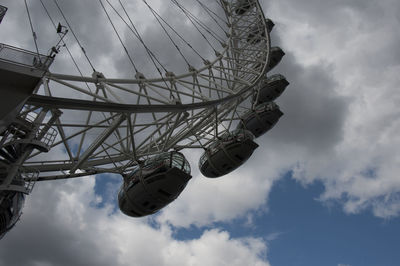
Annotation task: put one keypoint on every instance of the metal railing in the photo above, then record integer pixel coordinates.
(23, 57)
(275, 77)
(31, 178)
(49, 137)
(17, 132)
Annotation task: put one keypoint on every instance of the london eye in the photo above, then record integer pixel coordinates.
(219, 99)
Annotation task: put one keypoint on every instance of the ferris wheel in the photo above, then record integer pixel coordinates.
(59, 126)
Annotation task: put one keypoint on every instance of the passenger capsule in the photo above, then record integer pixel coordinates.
(10, 210)
(261, 119)
(272, 88)
(158, 182)
(270, 24)
(257, 33)
(276, 56)
(228, 153)
(242, 6)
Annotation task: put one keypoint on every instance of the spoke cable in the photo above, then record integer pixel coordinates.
(33, 32)
(119, 37)
(65, 44)
(204, 26)
(208, 10)
(135, 32)
(156, 16)
(179, 35)
(73, 33)
(193, 19)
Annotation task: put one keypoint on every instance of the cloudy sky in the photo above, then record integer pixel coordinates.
(322, 189)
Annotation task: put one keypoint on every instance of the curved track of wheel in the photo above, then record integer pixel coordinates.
(123, 121)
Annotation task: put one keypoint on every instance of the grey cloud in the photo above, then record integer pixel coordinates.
(45, 238)
(354, 60)
(60, 228)
(314, 112)
(84, 18)
(158, 42)
(329, 13)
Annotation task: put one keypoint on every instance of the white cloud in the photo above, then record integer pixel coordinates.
(359, 42)
(60, 226)
(274, 236)
(205, 200)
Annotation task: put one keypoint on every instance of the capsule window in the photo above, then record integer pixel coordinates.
(135, 213)
(123, 201)
(135, 182)
(233, 147)
(152, 207)
(239, 157)
(145, 203)
(165, 193)
(3, 221)
(154, 179)
(268, 122)
(227, 167)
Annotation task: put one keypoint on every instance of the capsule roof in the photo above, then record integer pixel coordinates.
(171, 159)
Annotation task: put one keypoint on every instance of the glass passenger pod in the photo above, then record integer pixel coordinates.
(271, 88)
(260, 120)
(3, 11)
(242, 6)
(276, 56)
(270, 24)
(10, 210)
(227, 153)
(257, 33)
(155, 184)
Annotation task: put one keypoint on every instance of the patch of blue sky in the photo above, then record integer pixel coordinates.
(237, 228)
(370, 173)
(300, 230)
(314, 234)
(106, 189)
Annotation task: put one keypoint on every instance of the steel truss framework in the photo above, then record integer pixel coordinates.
(121, 122)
